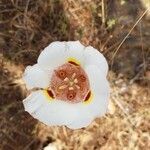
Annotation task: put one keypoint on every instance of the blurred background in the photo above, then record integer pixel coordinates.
(118, 29)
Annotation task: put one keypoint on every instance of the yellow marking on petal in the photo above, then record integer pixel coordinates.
(72, 59)
(89, 99)
(48, 97)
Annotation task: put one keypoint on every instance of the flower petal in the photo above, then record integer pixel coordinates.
(93, 57)
(56, 112)
(34, 76)
(75, 50)
(31, 103)
(53, 55)
(50, 112)
(100, 88)
(83, 122)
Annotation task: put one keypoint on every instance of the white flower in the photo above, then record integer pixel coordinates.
(74, 89)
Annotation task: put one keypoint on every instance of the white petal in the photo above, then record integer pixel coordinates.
(50, 112)
(100, 88)
(80, 123)
(93, 57)
(56, 112)
(75, 50)
(53, 55)
(31, 103)
(96, 108)
(34, 76)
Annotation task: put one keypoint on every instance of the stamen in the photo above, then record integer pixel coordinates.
(73, 76)
(62, 87)
(78, 87)
(71, 88)
(66, 79)
(75, 80)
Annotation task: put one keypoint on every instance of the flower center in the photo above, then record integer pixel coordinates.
(70, 83)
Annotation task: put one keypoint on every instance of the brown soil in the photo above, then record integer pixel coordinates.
(27, 26)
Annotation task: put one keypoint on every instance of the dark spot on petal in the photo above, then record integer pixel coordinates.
(71, 62)
(88, 96)
(50, 93)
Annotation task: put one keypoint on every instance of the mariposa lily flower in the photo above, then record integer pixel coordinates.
(73, 89)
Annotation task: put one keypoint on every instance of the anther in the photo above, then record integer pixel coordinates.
(71, 88)
(78, 87)
(73, 76)
(66, 79)
(62, 87)
(75, 80)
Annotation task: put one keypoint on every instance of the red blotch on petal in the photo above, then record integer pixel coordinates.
(88, 96)
(71, 62)
(50, 93)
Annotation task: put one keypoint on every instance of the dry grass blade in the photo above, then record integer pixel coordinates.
(116, 51)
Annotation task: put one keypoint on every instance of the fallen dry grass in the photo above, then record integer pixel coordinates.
(27, 26)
